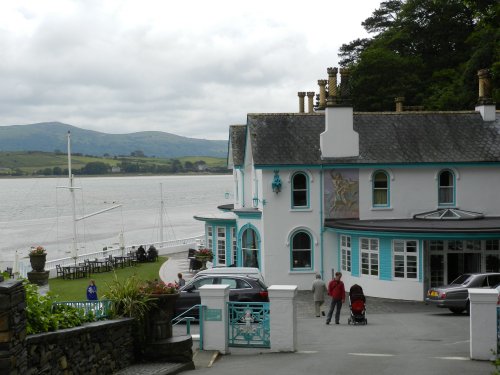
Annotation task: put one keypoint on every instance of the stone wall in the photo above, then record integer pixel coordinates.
(95, 348)
(13, 353)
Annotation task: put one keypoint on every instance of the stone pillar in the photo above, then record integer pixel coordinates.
(345, 87)
(485, 93)
(332, 86)
(483, 323)
(283, 318)
(215, 298)
(399, 103)
(301, 95)
(310, 101)
(13, 349)
(322, 93)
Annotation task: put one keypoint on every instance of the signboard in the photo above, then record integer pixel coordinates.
(213, 315)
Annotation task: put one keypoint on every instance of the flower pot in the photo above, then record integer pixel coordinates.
(158, 321)
(38, 262)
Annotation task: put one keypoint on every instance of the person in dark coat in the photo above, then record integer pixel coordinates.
(141, 254)
(152, 254)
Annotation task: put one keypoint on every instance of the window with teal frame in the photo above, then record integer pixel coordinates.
(380, 189)
(446, 188)
(301, 251)
(250, 248)
(300, 190)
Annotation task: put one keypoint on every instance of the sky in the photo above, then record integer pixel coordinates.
(191, 68)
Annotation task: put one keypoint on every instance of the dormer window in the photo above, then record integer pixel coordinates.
(300, 194)
(380, 189)
(446, 188)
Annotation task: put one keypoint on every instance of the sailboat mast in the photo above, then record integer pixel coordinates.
(73, 205)
(161, 214)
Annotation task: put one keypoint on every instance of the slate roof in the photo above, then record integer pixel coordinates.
(390, 137)
(237, 141)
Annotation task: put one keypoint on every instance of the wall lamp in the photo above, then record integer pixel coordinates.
(276, 184)
(257, 200)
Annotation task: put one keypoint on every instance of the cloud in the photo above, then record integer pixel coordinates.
(190, 68)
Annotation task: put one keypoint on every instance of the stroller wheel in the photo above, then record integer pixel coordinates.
(366, 322)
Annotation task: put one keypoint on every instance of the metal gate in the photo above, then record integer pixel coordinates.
(248, 324)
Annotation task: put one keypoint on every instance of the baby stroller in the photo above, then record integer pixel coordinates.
(357, 302)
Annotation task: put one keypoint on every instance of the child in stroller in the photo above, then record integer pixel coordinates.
(357, 305)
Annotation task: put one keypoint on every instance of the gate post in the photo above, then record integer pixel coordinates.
(483, 323)
(214, 299)
(283, 318)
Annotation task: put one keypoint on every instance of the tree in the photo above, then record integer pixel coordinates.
(138, 154)
(95, 167)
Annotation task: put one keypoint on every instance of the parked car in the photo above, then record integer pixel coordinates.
(455, 296)
(240, 271)
(242, 288)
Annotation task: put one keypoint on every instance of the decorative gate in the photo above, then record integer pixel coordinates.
(248, 324)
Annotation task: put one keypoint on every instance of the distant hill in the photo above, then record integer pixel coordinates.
(50, 136)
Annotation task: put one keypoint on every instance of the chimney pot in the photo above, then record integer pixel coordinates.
(332, 85)
(485, 90)
(301, 95)
(322, 93)
(399, 103)
(310, 100)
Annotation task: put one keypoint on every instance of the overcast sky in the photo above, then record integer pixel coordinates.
(189, 67)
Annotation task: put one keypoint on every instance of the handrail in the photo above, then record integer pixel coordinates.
(188, 320)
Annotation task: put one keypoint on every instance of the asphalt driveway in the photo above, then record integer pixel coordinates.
(400, 338)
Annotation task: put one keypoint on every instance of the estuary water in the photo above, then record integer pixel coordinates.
(37, 211)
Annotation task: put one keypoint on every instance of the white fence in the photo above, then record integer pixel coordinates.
(162, 247)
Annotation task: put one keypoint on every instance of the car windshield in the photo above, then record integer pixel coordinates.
(460, 280)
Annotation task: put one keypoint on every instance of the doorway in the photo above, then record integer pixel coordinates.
(460, 263)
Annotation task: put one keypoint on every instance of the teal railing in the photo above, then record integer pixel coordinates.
(100, 309)
(249, 324)
(188, 319)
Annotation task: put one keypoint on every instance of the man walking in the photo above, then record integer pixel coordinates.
(336, 290)
(319, 290)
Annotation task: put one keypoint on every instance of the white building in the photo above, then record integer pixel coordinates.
(397, 201)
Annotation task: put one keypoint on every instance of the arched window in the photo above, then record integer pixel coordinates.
(380, 189)
(301, 251)
(250, 248)
(446, 194)
(300, 190)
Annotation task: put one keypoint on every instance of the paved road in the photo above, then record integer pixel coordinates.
(400, 338)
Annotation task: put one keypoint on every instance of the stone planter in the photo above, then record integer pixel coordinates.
(158, 320)
(203, 260)
(38, 262)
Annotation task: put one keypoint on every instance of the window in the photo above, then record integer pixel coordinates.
(250, 248)
(301, 251)
(233, 247)
(345, 249)
(446, 194)
(492, 255)
(210, 237)
(221, 245)
(228, 281)
(205, 281)
(405, 255)
(299, 190)
(369, 256)
(380, 189)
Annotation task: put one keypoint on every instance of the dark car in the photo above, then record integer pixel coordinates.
(241, 289)
(455, 296)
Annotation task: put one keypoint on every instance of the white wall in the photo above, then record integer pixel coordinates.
(414, 190)
(396, 289)
(339, 121)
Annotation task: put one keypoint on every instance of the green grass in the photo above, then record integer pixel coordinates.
(75, 290)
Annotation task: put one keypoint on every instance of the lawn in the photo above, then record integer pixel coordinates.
(75, 290)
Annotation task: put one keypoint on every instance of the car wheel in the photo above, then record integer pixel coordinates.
(456, 310)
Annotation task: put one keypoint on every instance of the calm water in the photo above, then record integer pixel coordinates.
(37, 212)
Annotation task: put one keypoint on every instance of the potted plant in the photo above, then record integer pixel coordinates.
(158, 320)
(38, 257)
(204, 255)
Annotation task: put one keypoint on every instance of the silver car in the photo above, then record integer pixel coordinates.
(455, 296)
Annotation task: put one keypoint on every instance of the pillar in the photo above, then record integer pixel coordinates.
(322, 93)
(214, 298)
(483, 323)
(283, 318)
(301, 95)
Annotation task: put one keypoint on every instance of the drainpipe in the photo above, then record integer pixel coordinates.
(321, 270)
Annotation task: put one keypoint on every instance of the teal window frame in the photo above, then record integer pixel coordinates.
(241, 248)
(453, 187)
(311, 251)
(210, 238)
(293, 190)
(387, 189)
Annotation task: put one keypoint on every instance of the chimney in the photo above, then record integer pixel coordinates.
(310, 101)
(485, 104)
(301, 95)
(322, 93)
(339, 138)
(332, 86)
(399, 103)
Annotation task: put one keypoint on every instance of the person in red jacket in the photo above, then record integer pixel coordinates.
(336, 290)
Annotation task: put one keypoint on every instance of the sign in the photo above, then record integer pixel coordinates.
(213, 315)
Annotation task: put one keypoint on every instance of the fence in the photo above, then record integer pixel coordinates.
(25, 267)
(100, 309)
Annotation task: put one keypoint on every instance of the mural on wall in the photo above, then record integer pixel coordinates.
(341, 193)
